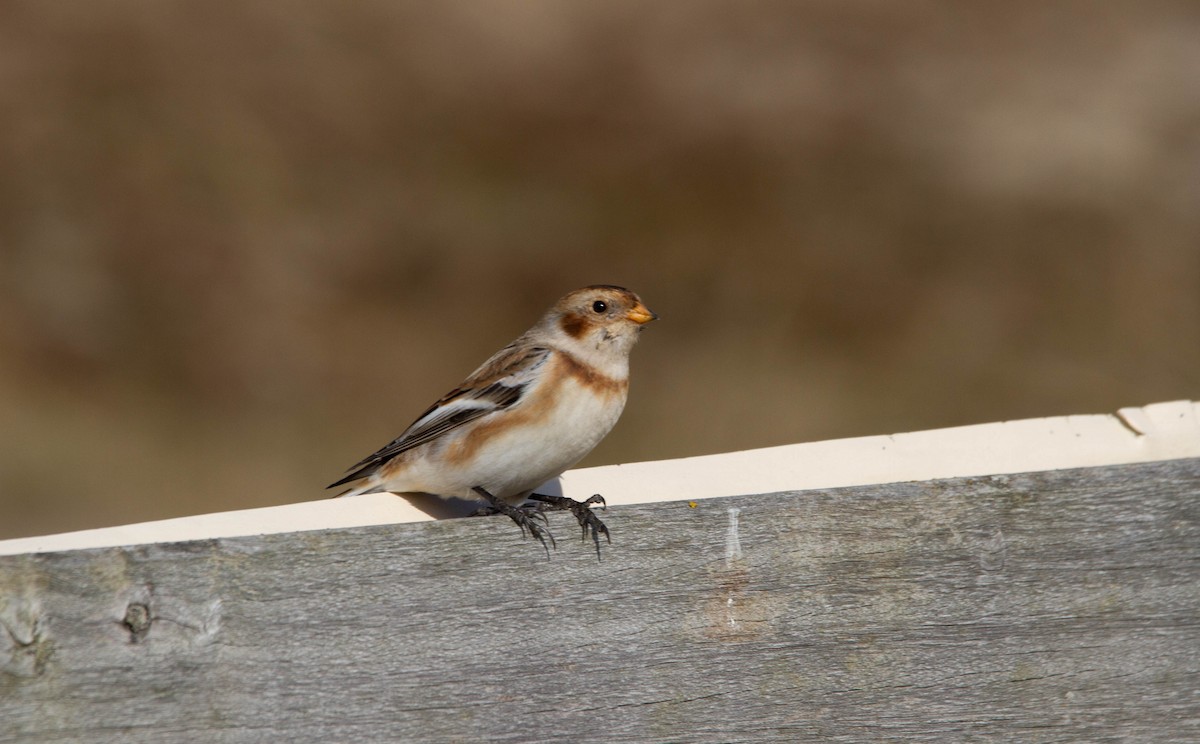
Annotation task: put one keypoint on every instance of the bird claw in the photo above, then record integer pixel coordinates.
(582, 511)
(524, 516)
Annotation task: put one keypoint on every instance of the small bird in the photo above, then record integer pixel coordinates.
(531, 411)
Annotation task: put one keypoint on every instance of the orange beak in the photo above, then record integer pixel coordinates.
(641, 314)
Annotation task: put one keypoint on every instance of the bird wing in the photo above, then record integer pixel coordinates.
(498, 384)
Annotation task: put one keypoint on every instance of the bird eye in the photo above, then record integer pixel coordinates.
(599, 306)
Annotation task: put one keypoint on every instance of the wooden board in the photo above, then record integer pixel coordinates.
(1054, 606)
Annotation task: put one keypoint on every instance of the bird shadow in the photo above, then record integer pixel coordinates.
(438, 507)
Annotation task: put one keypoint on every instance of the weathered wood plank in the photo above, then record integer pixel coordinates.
(1054, 606)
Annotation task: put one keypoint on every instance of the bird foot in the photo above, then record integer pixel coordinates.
(582, 511)
(525, 516)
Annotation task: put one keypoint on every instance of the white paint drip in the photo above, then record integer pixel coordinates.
(733, 552)
(733, 543)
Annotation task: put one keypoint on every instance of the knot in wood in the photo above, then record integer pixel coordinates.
(137, 620)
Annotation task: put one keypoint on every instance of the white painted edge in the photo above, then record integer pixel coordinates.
(1161, 431)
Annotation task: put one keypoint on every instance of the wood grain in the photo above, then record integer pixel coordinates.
(1054, 606)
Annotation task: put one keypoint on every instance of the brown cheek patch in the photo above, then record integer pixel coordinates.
(574, 325)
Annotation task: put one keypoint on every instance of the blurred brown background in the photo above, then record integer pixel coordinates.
(242, 244)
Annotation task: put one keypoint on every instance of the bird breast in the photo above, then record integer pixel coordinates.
(556, 423)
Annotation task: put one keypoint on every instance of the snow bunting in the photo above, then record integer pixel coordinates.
(531, 411)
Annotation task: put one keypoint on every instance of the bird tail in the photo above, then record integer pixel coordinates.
(364, 473)
(359, 490)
